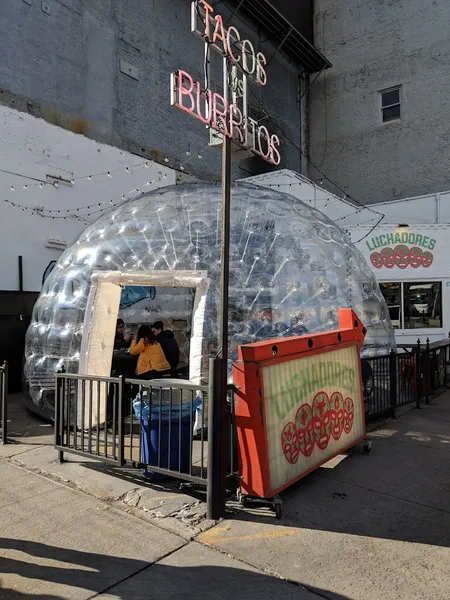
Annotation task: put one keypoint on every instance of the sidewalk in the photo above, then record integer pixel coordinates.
(376, 526)
(60, 544)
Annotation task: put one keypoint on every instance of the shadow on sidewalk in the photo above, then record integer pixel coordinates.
(25, 427)
(397, 492)
(139, 579)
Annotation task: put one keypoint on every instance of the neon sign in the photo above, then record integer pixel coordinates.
(216, 110)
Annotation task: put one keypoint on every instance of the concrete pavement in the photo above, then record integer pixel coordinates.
(368, 527)
(60, 544)
(375, 526)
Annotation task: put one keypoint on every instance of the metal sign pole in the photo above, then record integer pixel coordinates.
(218, 422)
(218, 373)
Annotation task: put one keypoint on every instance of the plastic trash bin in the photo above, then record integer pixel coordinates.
(161, 422)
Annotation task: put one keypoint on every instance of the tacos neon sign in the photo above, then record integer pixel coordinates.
(216, 110)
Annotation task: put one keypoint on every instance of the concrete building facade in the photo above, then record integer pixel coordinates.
(86, 120)
(378, 154)
(102, 69)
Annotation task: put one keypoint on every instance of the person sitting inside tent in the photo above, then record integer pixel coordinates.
(168, 343)
(152, 361)
(122, 340)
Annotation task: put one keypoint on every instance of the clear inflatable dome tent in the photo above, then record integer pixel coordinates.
(291, 270)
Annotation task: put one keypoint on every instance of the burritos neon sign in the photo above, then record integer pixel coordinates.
(216, 110)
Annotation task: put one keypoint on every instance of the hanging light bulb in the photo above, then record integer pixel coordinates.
(166, 159)
(182, 167)
(41, 185)
(147, 165)
(127, 170)
(109, 174)
(56, 184)
(25, 187)
(12, 188)
(199, 156)
(188, 151)
(89, 177)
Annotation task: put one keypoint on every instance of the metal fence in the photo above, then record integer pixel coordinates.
(171, 436)
(410, 376)
(4, 402)
(165, 427)
(88, 416)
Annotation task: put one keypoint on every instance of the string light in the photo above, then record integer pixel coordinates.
(65, 214)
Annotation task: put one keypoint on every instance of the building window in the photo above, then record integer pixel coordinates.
(423, 305)
(414, 305)
(392, 293)
(390, 105)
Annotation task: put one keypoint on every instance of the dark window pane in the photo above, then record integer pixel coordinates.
(393, 296)
(388, 98)
(392, 113)
(423, 305)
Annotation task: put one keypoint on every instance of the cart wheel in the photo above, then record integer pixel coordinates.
(278, 506)
(242, 499)
(367, 446)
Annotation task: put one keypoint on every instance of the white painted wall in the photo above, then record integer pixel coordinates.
(420, 210)
(31, 147)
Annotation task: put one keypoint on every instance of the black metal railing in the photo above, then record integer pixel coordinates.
(411, 376)
(170, 437)
(4, 402)
(168, 428)
(88, 416)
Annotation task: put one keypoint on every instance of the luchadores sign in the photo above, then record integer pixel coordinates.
(401, 250)
(328, 418)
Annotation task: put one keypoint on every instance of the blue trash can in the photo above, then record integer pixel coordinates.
(161, 422)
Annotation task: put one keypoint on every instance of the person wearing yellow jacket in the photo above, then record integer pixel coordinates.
(151, 361)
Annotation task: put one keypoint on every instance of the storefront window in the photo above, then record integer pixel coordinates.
(392, 293)
(423, 305)
(414, 305)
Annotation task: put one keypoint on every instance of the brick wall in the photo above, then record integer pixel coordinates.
(61, 61)
(373, 45)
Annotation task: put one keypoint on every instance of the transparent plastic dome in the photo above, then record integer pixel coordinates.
(291, 269)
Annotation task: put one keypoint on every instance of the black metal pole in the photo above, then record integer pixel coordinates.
(418, 375)
(218, 418)
(225, 256)
(20, 274)
(215, 497)
(428, 372)
(393, 382)
(119, 398)
(4, 395)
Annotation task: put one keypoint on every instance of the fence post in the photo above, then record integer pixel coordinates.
(120, 424)
(4, 398)
(418, 375)
(393, 382)
(217, 421)
(59, 417)
(428, 378)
